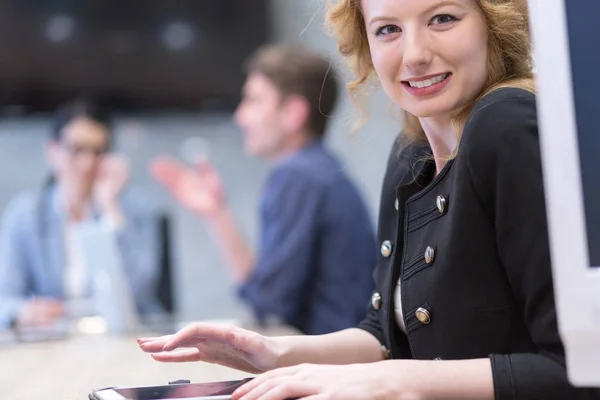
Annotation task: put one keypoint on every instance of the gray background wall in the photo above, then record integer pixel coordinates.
(203, 288)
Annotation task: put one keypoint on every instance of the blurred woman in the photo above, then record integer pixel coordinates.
(42, 265)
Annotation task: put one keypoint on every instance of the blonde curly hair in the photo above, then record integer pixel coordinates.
(509, 63)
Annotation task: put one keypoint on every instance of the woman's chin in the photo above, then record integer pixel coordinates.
(427, 112)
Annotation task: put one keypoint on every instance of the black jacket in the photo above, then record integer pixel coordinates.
(470, 246)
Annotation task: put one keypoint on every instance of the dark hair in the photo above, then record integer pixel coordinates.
(296, 70)
(80, 108)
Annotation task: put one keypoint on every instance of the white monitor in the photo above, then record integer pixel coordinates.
(567, 54)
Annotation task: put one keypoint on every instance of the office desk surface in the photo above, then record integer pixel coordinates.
(70, 369)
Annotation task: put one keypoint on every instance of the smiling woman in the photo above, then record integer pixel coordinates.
(503, 25)
(464, 303)
(430, 60)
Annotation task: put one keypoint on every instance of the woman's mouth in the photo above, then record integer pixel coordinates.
(428, 86)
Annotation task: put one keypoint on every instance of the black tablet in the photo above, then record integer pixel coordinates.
(188, 391)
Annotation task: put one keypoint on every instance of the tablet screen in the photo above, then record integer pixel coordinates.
(182, 391)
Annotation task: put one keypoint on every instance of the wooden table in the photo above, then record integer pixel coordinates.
(70, 369)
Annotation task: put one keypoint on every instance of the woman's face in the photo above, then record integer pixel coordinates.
(76, 158)
(430, 55)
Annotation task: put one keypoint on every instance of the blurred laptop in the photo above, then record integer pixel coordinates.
(113, 299)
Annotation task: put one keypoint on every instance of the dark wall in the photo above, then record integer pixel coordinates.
(51, 50)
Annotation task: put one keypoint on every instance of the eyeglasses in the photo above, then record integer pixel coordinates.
(77, 150)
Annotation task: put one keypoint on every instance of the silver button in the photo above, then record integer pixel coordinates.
(376, 301)
(397, 204)
(423, 315)
(386, 248)
(438, 359)
(440, 202)
(429, 255)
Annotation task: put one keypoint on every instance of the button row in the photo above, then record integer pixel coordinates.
(423, 314)
(440, 203)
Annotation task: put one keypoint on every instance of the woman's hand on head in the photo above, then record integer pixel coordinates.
(110, 181)
(228, 346)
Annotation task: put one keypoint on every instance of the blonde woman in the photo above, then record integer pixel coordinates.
(464, 303)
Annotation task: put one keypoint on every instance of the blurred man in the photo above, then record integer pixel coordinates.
(313, 268)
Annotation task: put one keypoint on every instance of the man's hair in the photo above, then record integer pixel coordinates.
(296, 70)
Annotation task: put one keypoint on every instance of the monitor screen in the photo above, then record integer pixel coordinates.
(585, 64)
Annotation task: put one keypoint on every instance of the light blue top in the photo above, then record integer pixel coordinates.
(32, 251)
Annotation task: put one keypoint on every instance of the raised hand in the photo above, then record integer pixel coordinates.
(199, 189)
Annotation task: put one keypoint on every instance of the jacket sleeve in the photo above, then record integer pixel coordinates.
(503, 153)
(13, 263)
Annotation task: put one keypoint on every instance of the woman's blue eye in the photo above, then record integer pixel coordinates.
(387, 30)
(443, 19)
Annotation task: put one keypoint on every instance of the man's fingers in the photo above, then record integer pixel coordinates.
(166, 170)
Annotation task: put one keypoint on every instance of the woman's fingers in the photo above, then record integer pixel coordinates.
(186, 355)
(153, 344)
(159, 346)
(266, 377)
(280, 389)
(270, 376)
(199, 331)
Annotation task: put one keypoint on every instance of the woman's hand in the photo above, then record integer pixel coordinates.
(228, 346)
(40, 311)
(389, 379)
(112, 178)
(370, 381)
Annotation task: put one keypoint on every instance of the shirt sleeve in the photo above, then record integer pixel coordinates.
(503, 156)
(285, 266)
